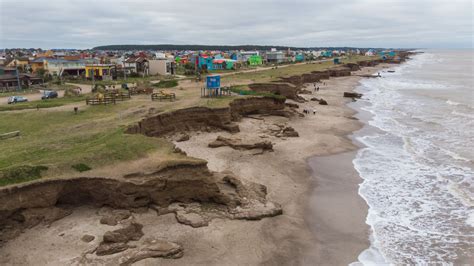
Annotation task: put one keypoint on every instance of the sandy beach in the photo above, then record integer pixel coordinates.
(323, 216)
(312, 176)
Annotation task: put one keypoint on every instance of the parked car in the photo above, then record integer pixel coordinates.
(49, 95)
(16, 99)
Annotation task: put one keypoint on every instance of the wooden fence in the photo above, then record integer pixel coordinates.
(162, 96)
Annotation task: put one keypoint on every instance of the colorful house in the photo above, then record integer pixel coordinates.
(99, 71)
(387, 54)
(205, 62)
(37, 64)
(326, 54)
(255, 60)
(223, 63)
(299, 58)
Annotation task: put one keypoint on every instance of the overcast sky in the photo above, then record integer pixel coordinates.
(303, 23)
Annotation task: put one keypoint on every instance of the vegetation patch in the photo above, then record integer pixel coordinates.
(81, 167)
(241, 91)
(20, 174)
(166, 84)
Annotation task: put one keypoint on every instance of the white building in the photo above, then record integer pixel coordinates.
(162, 66)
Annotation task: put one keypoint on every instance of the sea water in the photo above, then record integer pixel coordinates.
(417, 165)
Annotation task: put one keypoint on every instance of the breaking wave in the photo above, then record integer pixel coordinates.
(417, 169)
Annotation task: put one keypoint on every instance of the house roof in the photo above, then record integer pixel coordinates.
(13, 77)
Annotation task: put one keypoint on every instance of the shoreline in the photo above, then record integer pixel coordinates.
(336, 213)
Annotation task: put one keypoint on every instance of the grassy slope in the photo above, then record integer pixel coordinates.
(61, 139)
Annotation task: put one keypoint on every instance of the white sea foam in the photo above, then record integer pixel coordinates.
(418, 173)
(470, 219)
(452, 102)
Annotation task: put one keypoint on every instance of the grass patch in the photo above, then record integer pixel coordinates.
(48, 103)
(81, 167)
(166, 84)
(59, 139)
(279, 71)
(20, 174)
(241, 91)
(117, 82)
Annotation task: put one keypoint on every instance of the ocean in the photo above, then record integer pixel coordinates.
(417, 160)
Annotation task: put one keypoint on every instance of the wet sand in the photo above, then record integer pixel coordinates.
(336, 214)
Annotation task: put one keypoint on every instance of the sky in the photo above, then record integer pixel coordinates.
(302, 23)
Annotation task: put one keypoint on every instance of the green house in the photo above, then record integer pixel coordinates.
(299, 58)
(255, 60)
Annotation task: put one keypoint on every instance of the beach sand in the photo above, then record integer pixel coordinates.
(323, 221)
(324, 218)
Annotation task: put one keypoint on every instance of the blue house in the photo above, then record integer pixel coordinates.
(205, 62)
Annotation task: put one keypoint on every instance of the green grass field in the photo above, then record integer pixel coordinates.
(60, 139)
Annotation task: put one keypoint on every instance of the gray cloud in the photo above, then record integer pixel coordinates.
(362, 23)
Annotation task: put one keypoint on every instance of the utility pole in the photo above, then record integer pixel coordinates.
(18, 78)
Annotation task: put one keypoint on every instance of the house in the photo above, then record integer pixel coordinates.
(223, 63)
(37, 64)
(9, 82)
(274, 56)
(326, 53)
(3, 59)
(162, 66)
(99, 71)
(299, 57)
(139, 65)
(61, 66)
(255, 60)
(21, 62)
(245, 56)
(205, 62)
(370, 52)
(7, 70)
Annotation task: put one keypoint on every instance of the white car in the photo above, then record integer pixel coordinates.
(16, 99)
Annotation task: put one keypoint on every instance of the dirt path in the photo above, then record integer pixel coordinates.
(37, 96)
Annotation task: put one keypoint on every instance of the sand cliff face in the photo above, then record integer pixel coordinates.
(203, 118)
(185, 182)
(189, 119)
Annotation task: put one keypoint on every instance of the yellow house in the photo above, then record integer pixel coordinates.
(48, 54)
(99, 71)
(37, 64)
(18, 62)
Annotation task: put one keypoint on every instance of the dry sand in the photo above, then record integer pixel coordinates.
(323, 221)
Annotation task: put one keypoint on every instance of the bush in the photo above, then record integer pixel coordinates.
(238, 90)
(21, 174)
(80, 167)
(166, 84)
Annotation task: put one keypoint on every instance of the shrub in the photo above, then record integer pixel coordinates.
(166, 84)
(240, 91)
(80, 167)
(21, 174)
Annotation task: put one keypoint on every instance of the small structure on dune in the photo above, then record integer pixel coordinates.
(213, 87)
